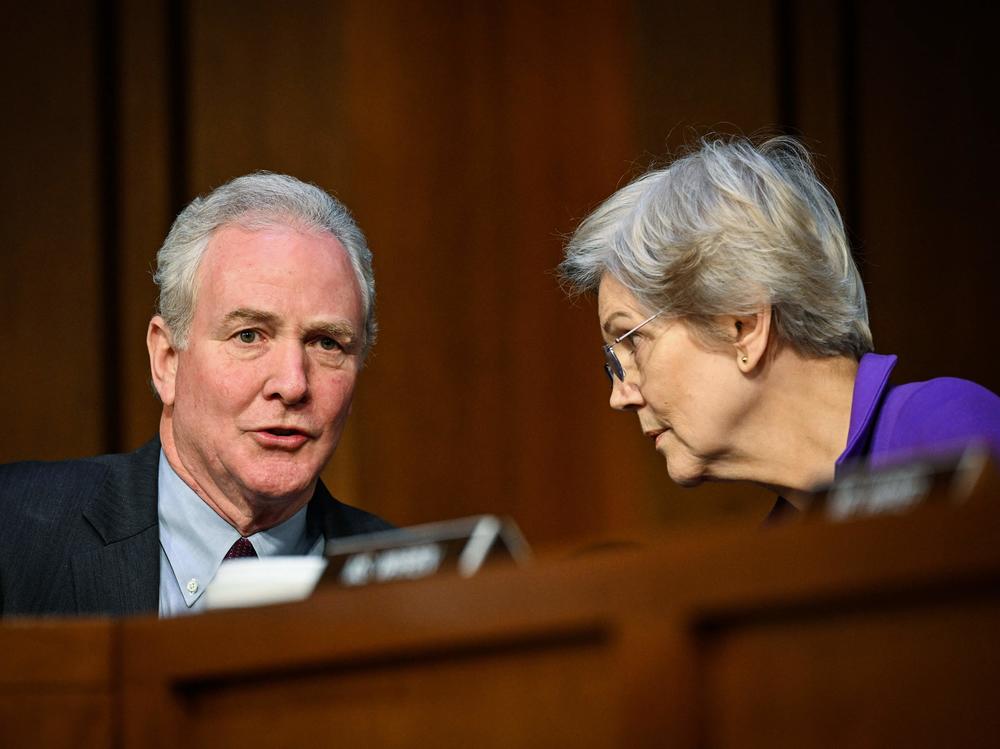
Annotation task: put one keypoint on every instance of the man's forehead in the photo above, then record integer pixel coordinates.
(235, 250)
(271, 238)
(271, 268)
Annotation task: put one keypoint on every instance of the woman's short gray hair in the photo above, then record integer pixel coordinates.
(723, 230)
(254, 201)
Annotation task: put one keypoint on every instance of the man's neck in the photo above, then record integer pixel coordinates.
(247, 513)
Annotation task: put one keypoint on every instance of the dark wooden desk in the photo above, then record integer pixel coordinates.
(57, 683)
(875, 633)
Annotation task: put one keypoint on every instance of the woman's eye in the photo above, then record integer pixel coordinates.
(247, 336)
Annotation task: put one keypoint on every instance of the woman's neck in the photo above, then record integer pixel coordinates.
(791, 439)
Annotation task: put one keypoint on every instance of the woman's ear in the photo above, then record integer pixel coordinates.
(751, 335)
(162, 359)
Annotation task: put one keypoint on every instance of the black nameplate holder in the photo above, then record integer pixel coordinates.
(461, 546)
(899, 488)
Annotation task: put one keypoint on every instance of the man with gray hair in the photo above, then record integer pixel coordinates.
(265, 315)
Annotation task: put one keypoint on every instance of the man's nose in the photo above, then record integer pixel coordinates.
(288, 379)
(625, 395)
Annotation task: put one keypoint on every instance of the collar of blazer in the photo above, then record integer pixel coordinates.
(120, 574)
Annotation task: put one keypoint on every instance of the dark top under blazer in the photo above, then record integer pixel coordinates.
(82, 536)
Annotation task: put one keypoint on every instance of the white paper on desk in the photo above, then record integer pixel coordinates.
(258, 582)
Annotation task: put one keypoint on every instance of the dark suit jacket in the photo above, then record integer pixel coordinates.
(82, 536)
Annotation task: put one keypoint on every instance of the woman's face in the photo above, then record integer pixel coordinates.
(689, 397)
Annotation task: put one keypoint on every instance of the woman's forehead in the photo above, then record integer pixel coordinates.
(616, 302)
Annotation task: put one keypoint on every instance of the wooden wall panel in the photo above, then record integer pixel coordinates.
(265, 92)
(705, 67)
(469, 138)
(478, 396)
(414, 159)
(571, 130)
(818, 66)
(50, 248)
(145, 180)
(927, 159)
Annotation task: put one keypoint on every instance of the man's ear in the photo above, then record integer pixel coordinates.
(751, 335)
(162, 359)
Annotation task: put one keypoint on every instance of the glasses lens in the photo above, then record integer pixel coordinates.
(612, 366)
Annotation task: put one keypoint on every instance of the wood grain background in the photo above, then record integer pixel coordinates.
(469, 138)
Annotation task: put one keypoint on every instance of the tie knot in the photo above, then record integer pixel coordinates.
(242, 548)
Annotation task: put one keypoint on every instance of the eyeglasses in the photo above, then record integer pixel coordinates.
(612, 366)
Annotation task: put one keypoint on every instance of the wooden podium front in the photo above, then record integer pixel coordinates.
(874, 633)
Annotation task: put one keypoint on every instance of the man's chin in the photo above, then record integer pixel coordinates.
(280, 487)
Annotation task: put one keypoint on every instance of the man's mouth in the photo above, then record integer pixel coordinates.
(285, 438)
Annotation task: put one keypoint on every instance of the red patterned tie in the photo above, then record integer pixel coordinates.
(242, 548)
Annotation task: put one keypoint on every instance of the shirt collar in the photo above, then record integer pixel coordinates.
(869, 387)
(195, 538)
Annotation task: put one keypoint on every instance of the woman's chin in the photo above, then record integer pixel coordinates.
(689, 482)
(687, 476)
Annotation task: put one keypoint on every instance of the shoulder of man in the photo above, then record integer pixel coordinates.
(41, 505)
(47, 510)
(44, 492)
(67, 484)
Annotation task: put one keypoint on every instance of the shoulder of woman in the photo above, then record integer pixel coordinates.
(941, 410)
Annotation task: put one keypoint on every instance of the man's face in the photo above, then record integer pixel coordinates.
(261, 393)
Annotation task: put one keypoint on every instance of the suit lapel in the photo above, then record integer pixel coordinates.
(122, 575)
(321, 514)
(334, 519)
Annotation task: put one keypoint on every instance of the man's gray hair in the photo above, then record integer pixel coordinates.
(723, 230)
(254, 201)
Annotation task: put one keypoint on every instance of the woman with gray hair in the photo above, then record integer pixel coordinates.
(736, 326)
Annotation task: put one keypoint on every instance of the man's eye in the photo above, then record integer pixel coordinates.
(329, 344)
(247, 336)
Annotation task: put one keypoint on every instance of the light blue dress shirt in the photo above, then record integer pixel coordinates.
(194, 540)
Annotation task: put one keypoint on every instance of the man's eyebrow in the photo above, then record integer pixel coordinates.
(341, 330)
(336, 329)
(249, 315)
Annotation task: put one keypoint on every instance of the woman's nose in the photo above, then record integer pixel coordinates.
(625, 395)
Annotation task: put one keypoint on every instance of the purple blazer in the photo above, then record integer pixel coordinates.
(890, 424)
(919, 419)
